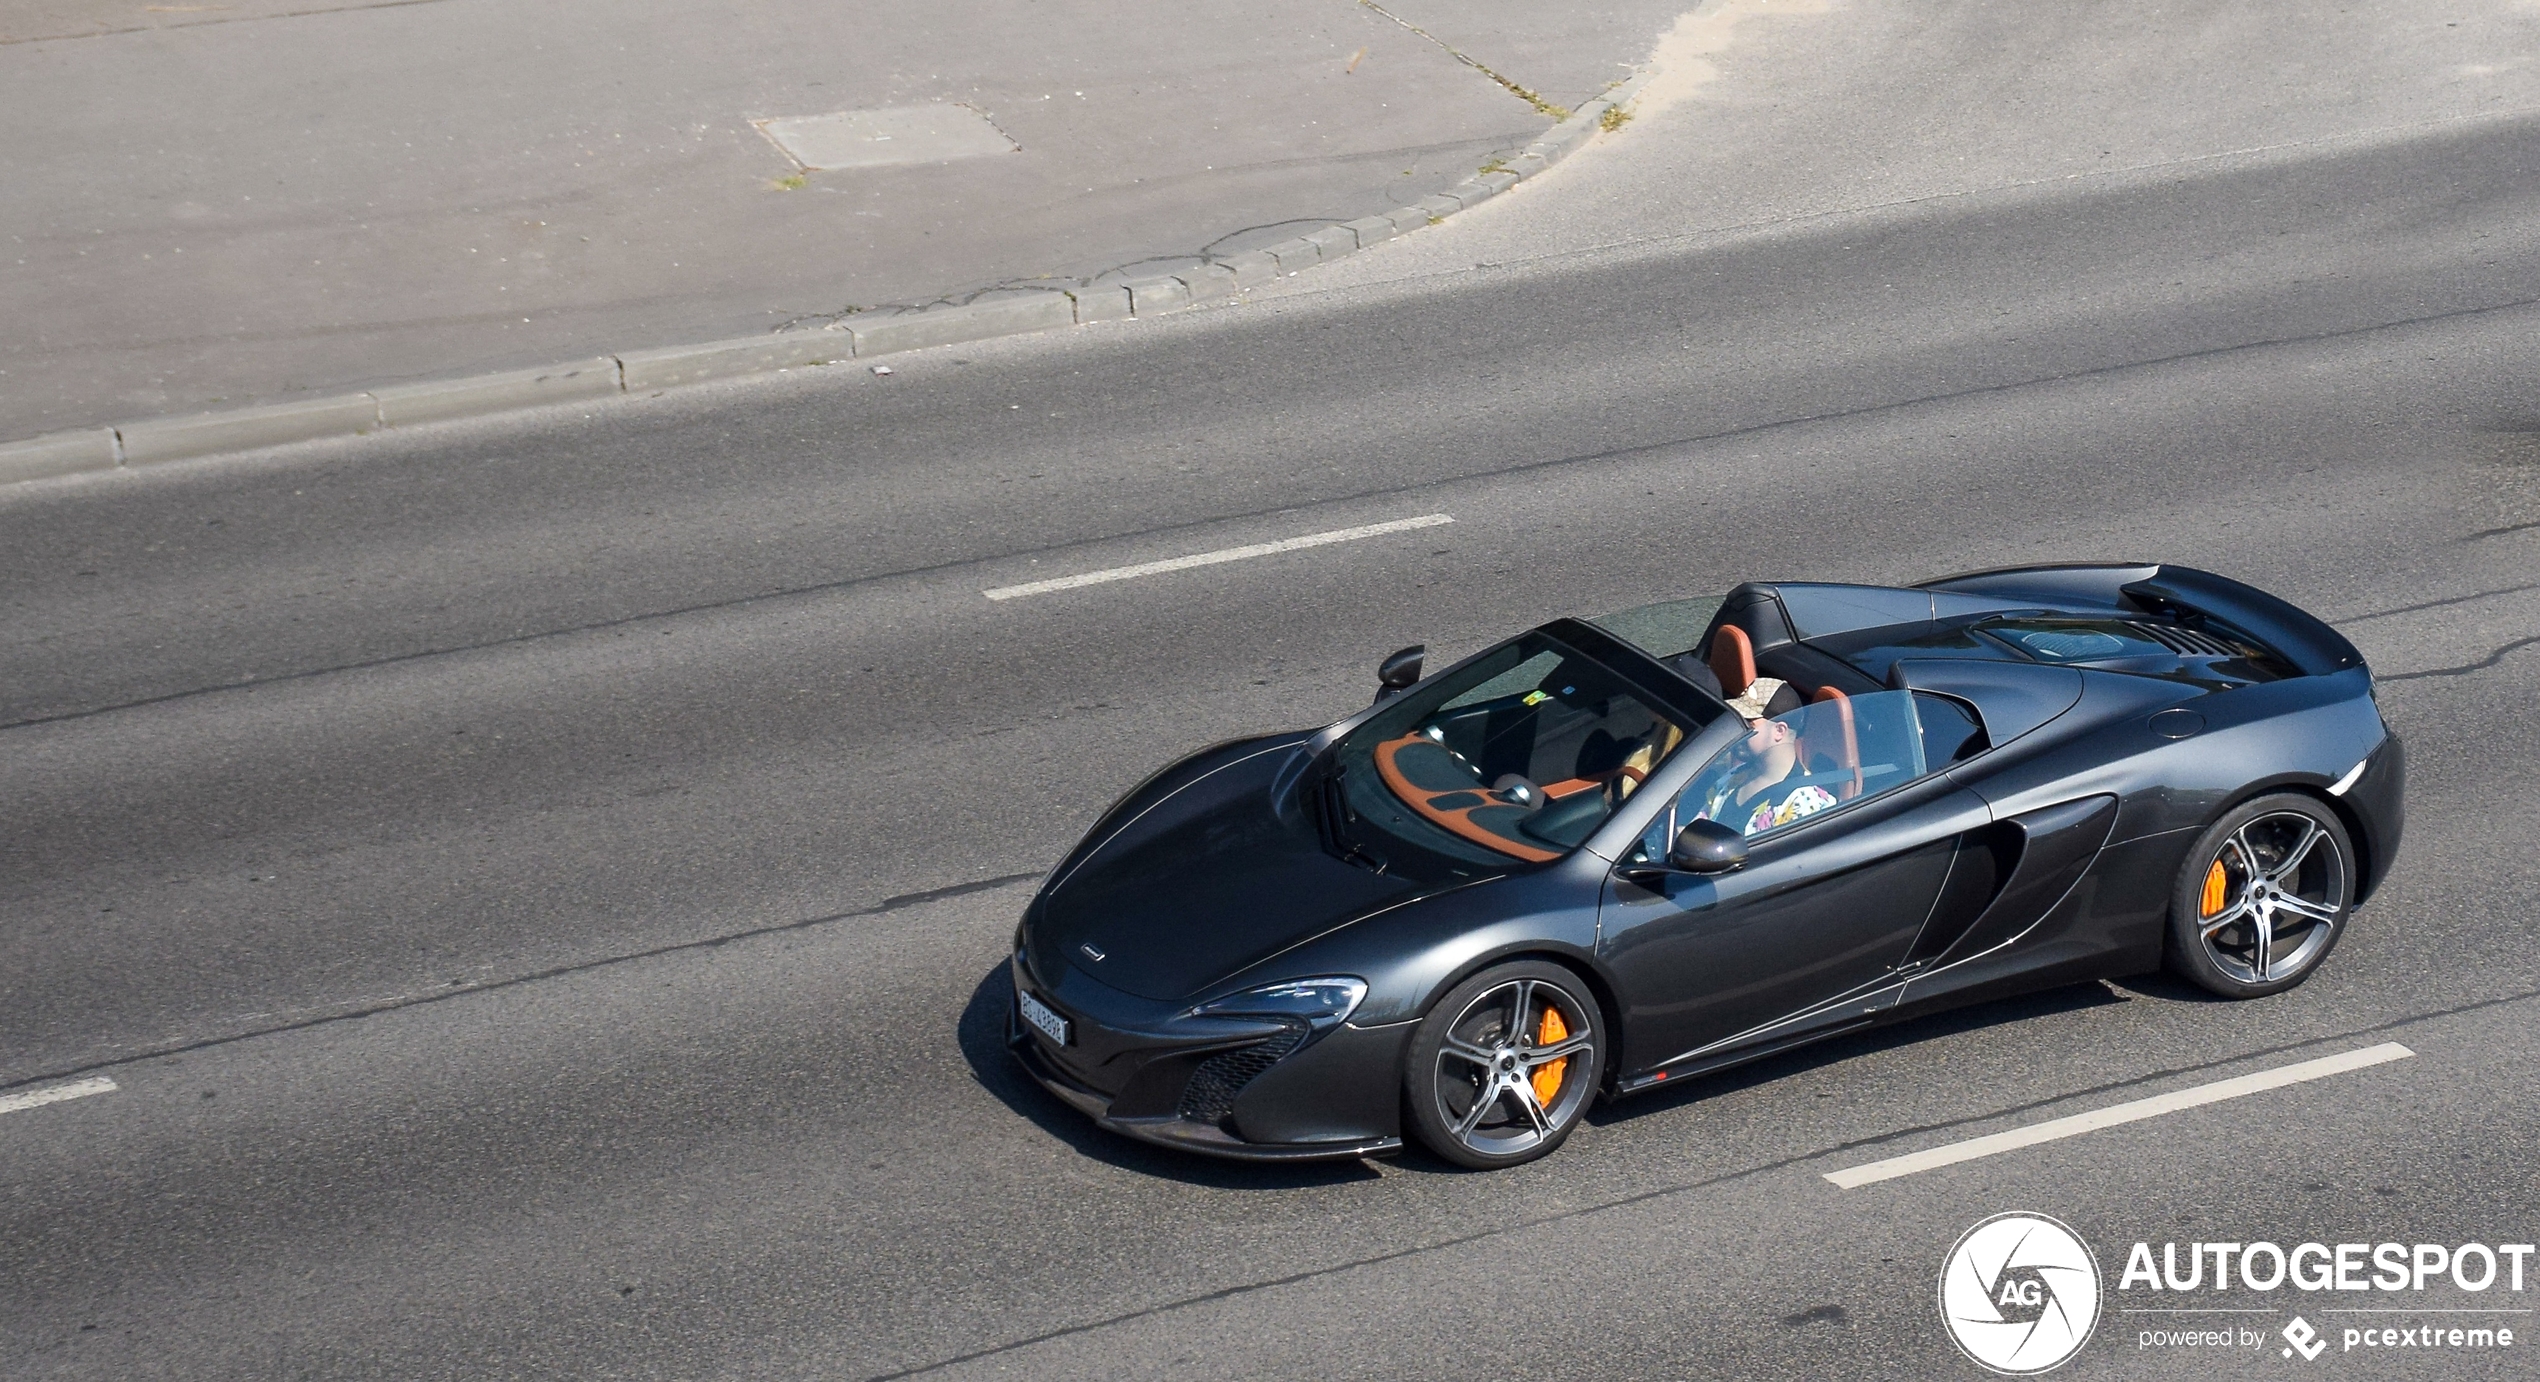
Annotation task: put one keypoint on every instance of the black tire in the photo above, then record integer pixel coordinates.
(2263, 897)
(1469, 1090)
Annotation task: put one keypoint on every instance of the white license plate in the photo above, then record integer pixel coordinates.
(1038, 1014)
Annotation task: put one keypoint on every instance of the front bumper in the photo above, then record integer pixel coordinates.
(1333, 1097)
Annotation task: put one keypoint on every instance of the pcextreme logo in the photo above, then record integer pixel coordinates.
(2019, 1294)
(2374, 1298)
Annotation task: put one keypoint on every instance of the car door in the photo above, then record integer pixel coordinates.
(1812, 930)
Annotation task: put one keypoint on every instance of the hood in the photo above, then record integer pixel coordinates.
(1199, 881)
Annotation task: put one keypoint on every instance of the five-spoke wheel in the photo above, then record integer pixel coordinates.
(1504, 1065)
(2263, 896)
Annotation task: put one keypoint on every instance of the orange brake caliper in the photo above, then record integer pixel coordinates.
(2211, 904)
(1547, 1076)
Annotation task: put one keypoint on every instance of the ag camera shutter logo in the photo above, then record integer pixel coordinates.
(2019, 1294)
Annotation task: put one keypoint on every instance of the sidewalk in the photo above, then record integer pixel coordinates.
(1769, 113)
(219, 205)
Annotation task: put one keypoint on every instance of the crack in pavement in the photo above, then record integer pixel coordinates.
(227, 19)
(1518, 469)
(1642, 1197)
(2435, 604)
(1541, 105)
(462, 990)
(2466, 668)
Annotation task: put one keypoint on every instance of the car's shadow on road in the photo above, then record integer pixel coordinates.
(2168, 987)
(982, 1036)
(983, 1027)
(1835, 1050)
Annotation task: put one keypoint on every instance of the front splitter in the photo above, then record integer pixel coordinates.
(1181, 1134)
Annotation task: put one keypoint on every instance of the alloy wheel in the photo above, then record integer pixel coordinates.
(2271, 898)
(1513, 1069)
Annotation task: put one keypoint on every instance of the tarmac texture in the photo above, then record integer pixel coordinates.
(540, 885)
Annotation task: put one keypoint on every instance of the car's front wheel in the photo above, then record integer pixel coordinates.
(2263, 897)
(1505, 1065)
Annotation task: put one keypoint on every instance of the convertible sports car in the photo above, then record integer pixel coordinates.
(1610, 854)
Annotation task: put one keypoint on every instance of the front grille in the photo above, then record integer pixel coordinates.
(1210, 1096)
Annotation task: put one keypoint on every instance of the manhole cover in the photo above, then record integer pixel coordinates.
(894, 134)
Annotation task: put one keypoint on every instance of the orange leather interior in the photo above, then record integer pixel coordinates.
(1732, 660)
(1452, 809)
(1846, 748)
(1572, 786)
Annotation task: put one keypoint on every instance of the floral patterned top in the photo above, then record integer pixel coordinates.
(1807, 801)
(1771, 809)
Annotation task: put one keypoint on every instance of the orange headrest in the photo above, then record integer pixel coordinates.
(1846, 748)
(1732, 660)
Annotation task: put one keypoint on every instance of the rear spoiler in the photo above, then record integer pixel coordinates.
(2184, 593)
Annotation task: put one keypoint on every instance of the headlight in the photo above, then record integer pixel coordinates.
(1316, 1002)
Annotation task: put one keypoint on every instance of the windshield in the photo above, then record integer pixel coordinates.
(1517, 756)
(1670, 628)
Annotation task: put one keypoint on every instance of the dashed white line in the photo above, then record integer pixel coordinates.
(1258, 549)
(54, 1094)
(2115, 1114)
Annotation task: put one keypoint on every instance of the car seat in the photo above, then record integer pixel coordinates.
(1732, 660)
(1833, 733)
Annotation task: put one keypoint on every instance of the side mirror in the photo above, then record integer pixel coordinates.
(1396, 674)
(1708, 847)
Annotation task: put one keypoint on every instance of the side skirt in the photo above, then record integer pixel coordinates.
(1686, 1069)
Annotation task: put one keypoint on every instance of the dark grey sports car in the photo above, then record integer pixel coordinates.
(1615, 853)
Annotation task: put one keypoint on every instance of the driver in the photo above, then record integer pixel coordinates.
(1758, 794)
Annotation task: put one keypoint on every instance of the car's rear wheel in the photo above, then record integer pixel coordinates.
(1505, 1065)
(2263, 897)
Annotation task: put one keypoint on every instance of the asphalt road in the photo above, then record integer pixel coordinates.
(540, 887)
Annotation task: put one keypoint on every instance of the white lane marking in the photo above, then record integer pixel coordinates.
(54, 1094)
(2113, 1115)
(1258, 549)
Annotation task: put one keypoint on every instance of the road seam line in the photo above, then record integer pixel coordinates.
(2055, 1129)
(37, 1098)
(100, 447)
(1216, 558)
(1639, 1197)
(1519, 469)
(106, 447)
(464, 988)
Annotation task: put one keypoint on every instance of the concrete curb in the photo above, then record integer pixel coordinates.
(152, 440)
